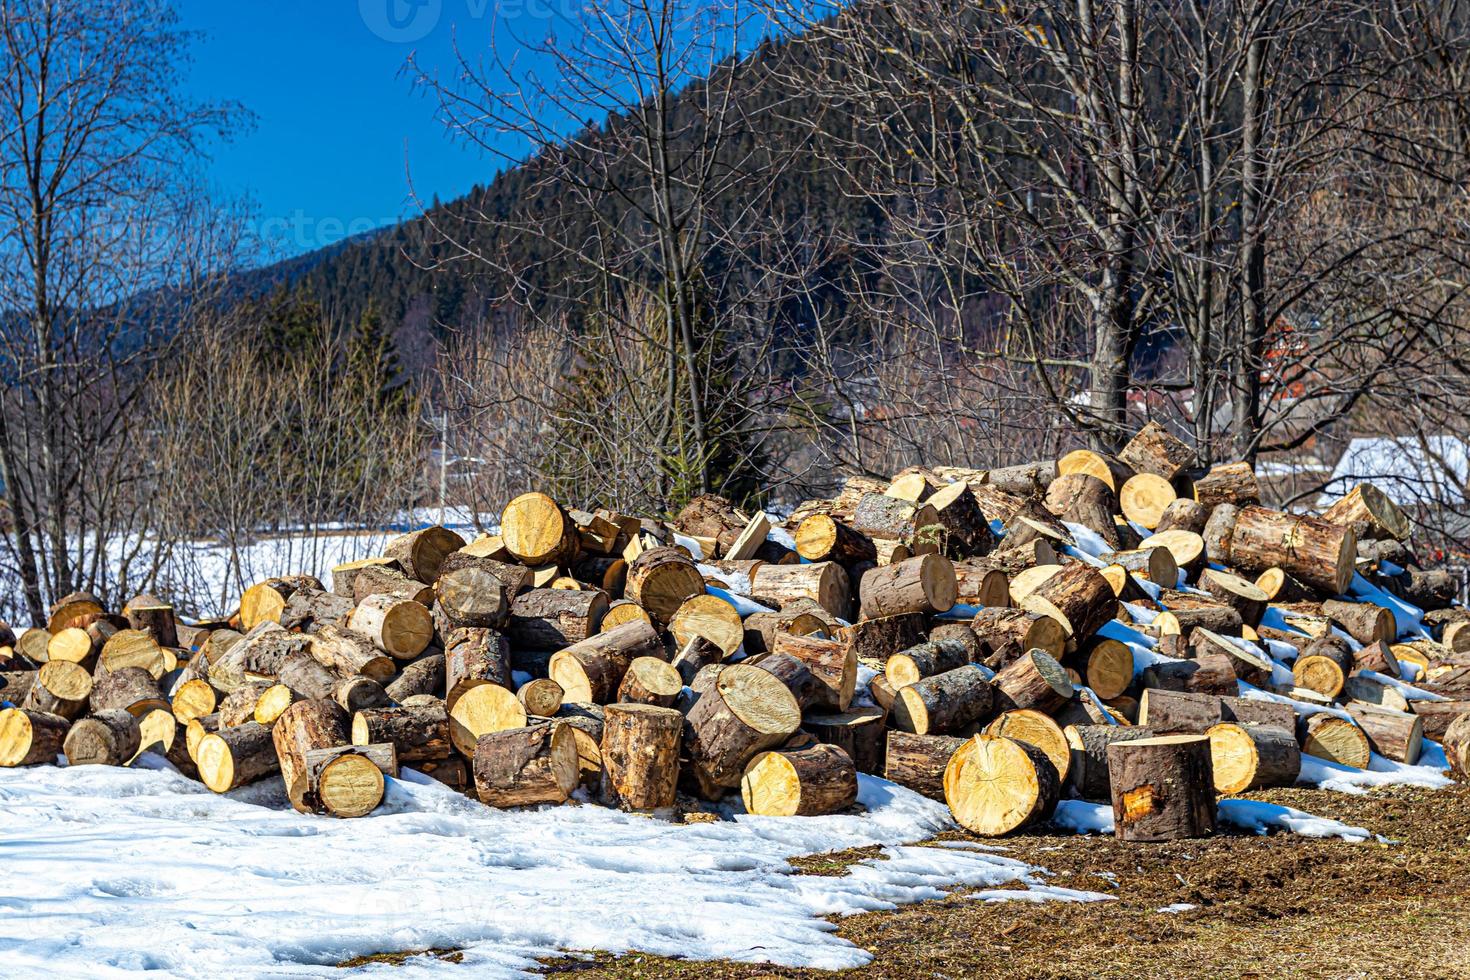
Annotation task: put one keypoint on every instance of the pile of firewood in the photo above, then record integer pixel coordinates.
(1098, 627)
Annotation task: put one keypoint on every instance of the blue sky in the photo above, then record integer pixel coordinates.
(338, 130)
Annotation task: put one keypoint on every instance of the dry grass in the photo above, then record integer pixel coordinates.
(1265, 906)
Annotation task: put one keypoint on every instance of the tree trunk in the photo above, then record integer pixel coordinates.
(1163, 788)
(526, 766)
(640, 755)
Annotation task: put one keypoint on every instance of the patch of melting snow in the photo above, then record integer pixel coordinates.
(1082, 817)
(123, 870)
(1177, 907)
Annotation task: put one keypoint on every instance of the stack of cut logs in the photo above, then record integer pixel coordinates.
(1134, 629)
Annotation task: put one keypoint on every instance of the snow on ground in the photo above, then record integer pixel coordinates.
(1082, 817)
(112, 871)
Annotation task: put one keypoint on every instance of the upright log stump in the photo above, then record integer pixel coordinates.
(1163, 788)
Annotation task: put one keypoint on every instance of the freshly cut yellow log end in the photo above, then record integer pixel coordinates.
(1340, 741)
(350, 786)
(481, 710)
(993, 786)
(273, 703)
(215, 763)
(71, 644)
(1035, 728)
(194, 699)
(1109, 668)
(1233, 757)
(711, 617)
(1028, 580)
(1144, 498)
(534, 528)
(1186, 546)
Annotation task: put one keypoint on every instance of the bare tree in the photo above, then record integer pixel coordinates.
(96, 218)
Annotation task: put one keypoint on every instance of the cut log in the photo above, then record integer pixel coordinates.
(822, 537)
(71, 609)
(526, 766)
(1394, 735)
(30, 738)
(1314, 551)
(1437, 716)
(1025, 479)
(800, 681)
(345, 652)
(480, 711)
(1186, 548)
(1022, 630)
(549, 619)
(1242, 595)
(1210, 674)
(540, 697)
(809, 782)
(425, 675)
(1154, 564)
(1219, 532)
(1364, 690)
(388, 580)
(925, 584)
(535, 529)
(344, 574)
(238, 706)
(824, 582)
(650, 681)
(234, 757)
(310, 609)
(1456, 744)
(154, 617)
(601, 572)
(663, 579)
(62, 688)
(105, 738)
(421, 553)
(833, 663)
(15, 685)
(306, 677)
(1370, 513)
(878, 515)
(418, 733)
(1077, 597)
(967, 531)
(1183, 621)
(1428, 589)
(996, 785)
(622, 612)
(978, 583)
(1034, 680)
(1087, 747)
(306, 725)
(1163, 788)
(741, 712)
(356, 693)
(1145, 498)
(1336, 740)
(264, 601)
(585, 721)
(1323, 666)
(917, 762)
(134, 648)
(1363, 621)
(1154, 450)
(694, 656)
(1247, 757)
(761, 628)
(1184, 514)
(1082, 499)
(1035, 728)
(925, 660)
(640, 755)
(711, 617)
(473, 597)
(592, 670)
(859, 733)
(1227, 483)
(1105, 468)
(474, 656)
(1107, 667)
(347, 780)
(400, 628)
(945, 703)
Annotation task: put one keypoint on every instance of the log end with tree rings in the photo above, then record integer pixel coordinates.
(1109, 668)
(995, 785)
(481, 710)
(1187, 548)
(1247, 757)
(350, 785)
(1336, 740)
(650, 681)
(816, 780)
(1089, 463)
(535, 529)
(621, 613)
(1144, 497)
(1035, 728)
(29, 738)
(711, 617)
(661, 580)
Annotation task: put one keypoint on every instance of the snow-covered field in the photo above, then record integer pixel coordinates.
(111, 871)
